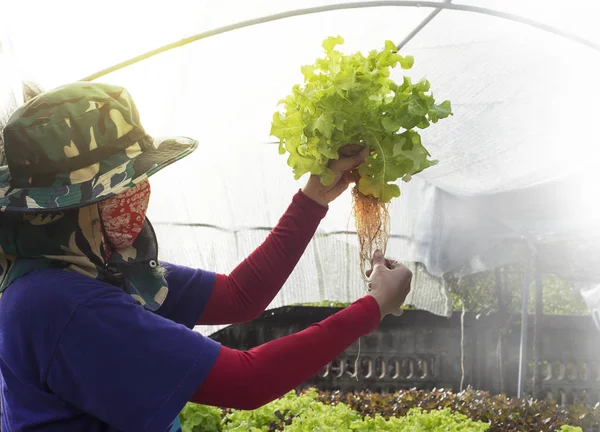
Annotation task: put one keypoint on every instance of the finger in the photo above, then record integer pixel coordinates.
(351, 176)
(338, 188)
(350, 149)
(347, 163)
(399, 312)
(378, 258)
(391, 264)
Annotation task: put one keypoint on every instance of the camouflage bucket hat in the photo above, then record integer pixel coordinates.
(79, 144)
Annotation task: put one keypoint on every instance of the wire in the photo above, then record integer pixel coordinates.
(333, 7)
(262, 228)
(420, 27)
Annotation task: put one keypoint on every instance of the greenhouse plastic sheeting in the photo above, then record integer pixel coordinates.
(518, 160)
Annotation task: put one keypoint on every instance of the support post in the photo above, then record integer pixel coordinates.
(537, 329)
(499, 285)
(524, 324)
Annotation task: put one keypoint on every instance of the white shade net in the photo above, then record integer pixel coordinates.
(518, 160)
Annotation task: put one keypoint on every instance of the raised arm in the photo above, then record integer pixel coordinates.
(247, 291)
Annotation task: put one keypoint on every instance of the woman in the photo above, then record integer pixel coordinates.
(95, 334)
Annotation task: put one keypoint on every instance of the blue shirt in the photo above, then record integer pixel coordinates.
(77, 354)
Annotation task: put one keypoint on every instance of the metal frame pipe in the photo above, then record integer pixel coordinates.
(345, 6)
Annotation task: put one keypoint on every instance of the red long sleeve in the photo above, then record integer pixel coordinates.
(248, 290)
(249, 379)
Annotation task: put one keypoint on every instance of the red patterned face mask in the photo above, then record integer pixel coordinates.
(123, 216)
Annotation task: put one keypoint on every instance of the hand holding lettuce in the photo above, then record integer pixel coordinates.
(351, 99)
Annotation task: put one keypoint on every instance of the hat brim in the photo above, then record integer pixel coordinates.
(138, 168)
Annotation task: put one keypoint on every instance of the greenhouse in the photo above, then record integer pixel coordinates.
(499, 224)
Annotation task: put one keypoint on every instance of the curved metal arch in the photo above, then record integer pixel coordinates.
(333, 7)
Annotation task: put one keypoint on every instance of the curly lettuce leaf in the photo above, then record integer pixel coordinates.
(352, 99)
